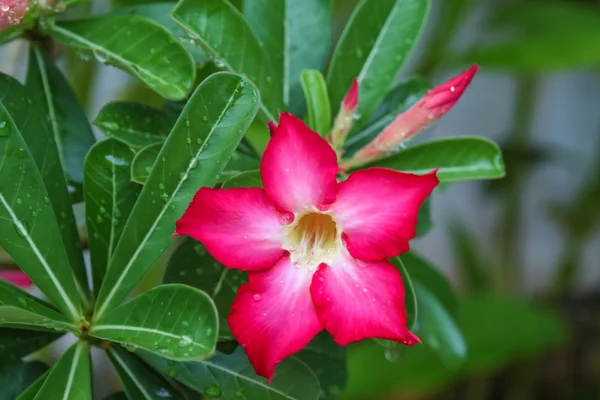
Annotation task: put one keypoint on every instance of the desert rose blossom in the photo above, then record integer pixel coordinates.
(16, 277)
(316, 249)
(344, 121)
(12, 12)
(426, 111)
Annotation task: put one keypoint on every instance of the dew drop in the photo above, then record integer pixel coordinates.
(185, 341)
(172, 373)
(161, 186)
(205, 118)
(188, 140)
(212, 391)
(19, 201)
(256, 297)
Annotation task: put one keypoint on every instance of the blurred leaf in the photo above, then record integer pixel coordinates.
(34, 388)
(230, 376)
(459, 158)
(438, 329)
(423, 272)
(68, 122)
(69, 378)
(18, 309)
(399, 99)
(195, 153)
(424, 221)
(140, 382)
(328, 360)
(144, 161)
(137, 45)
(237, 51)
(375, 44)
(11, 33)
(30, 233)
(109, 199)
(117, 396)
(58, 135)
(246, 179)
(317, 101)
(191, 264)
(175, 321)
(18, 376)
(135, 124)
(295, 35)
(469, 261)
(17, 343)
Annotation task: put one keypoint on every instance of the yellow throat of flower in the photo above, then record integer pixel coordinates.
(313, 238)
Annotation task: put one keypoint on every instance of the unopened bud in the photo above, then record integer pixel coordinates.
(12, 12)
(345, 118)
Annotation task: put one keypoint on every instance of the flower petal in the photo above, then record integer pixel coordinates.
(377, 210)
(273, 317)
(16, 277)
(298, 168)
(239, 227)
(356, 300)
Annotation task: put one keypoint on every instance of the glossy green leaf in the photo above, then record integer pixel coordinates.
(374, 46)
(317, 101)
(18, 376)
(68, 122)
(458, 159)
(295, 35)
(232, 377)
(109, 198)
(30, 233)
(195, 153)
(438, 329)
(175, 321)
(69, 378)
(424, 221)
(192, 265)
(144, 161)
(237, 51)
(18, 309)
(246, 179)
(135, 124)
(328, 360)
(34, 388)
(139, 381)
(402, 96)
(137, 45)
(423, 272)
(17, 343)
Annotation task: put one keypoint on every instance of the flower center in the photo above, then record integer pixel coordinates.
(312, 239)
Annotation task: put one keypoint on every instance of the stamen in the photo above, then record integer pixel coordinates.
(312, 239)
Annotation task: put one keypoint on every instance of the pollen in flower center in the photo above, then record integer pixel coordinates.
(312, 239)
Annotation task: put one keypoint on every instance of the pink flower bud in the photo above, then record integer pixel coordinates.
(12, 12)
(16, 277)
(345, 118)
(429, 109)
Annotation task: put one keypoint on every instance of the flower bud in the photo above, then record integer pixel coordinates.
(345, 118)
(12, 12)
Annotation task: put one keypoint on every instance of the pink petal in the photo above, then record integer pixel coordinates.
(273, 317)
(351, 99)
(239, 227)
(356, 300)
(298, 168)
(377, 210)
(16, 277)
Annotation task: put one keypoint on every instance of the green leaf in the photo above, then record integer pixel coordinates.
(135, 124)
(30, 233)
(117, 396)
(232, 376)
(69, 378)
(237, 51)
(175, 321)
(402, 96)
(295, 35)
(468, 259)
(139, 381)
(424, 273)
(438, 329)
(195, 153)
(144, 161)
(319, 110)
(328, 360)
(109, 198)
(11, 33)
(374, 46)
(18, 309)
(137, 45)
(65, 140)
(458, 159)
(17, 343)
(192, 265)
(424, 222)
(246, 179)
(34, 388)
(17, 377)
(68, 122)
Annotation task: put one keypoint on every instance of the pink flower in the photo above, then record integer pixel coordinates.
(12, 12)
(429, 109)
(316, 249)
(16, 277)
